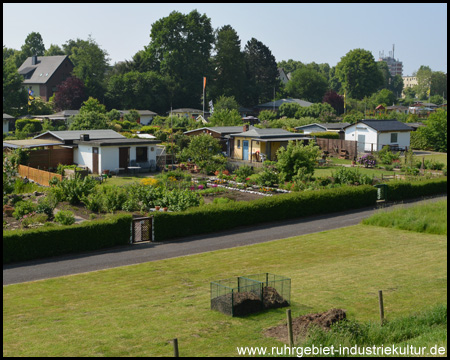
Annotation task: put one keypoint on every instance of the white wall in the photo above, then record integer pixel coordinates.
(352, 132)
(5, 126)
(146, 119)
(403, 139)
(83, 156)
(109, 155)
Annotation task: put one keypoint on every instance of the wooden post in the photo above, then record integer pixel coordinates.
(175, 348)
(289, 327)
(380, 300)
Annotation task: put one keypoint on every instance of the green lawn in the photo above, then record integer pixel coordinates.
(125, 179)
(136, 310)
(324, 171)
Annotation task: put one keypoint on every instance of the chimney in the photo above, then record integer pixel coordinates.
(84, 137)
(34, 60)
(246, 127)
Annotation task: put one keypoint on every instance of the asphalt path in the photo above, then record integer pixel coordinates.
(144, 252)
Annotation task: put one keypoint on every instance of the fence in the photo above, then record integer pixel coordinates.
(39, 176)
(335, 146)
(50, 158)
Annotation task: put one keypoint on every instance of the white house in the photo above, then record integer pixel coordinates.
(372, 135)
(116, 154)
(6, 120)
(321, 127)
(145, 116)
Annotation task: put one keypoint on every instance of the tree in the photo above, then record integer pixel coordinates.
(88, 121)
(335, 100)
(288, 110)
(383, 97)
(54, 50)
(396, 85)
(225, 118)
(229, 64)
(359, 74)
(34, 45)
(307, 84)
(90, 64)
(180, 49)
(70, 94)
(423, 82)
(384, 69)
(40, 107)
(132, 116)
(295, 158)
(435, 133)
(226, 103)
(14, 96)
(92, 105)
(262, 72)
(202, 148)
(438, 83)
(290, 65)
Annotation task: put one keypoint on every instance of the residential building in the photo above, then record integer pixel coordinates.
(7, 120)
(43, 74)
(395, 66)
(320, 127)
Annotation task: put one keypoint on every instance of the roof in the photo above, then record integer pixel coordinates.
(326, 126)
(75, 134)
(67, 112)
(280, 102)
(113, 142)
(268, 134)
(183, 110)
(43, 70)
(384, 125)
(30, 143)
(221, 129)
(6, 116)
(141, 112)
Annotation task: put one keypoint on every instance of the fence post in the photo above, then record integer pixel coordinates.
(175, 348)
(153, 228)
(380, 300)
(289, 327)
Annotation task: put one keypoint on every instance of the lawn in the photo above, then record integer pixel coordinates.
(324, 171)
(136, 310)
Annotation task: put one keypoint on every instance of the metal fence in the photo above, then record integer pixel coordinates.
(250, 294)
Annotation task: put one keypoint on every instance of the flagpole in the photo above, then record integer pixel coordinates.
(204, 85)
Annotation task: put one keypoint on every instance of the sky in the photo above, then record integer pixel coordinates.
(318, 32)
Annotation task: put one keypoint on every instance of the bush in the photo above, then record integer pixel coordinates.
(400, 189)
(23, 208)
(20, 245)
(73, 190)
(351, 176)
(47, 204)
(243, 172)
(368, 160)
(217, 217)
(65, 217)
(386, 156)
(325, 135)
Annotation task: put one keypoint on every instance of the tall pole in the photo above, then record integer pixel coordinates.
(204, 86)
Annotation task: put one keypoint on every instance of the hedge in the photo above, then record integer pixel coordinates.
(21, 245)
(402, 190)
(219, 217)
(325, 135)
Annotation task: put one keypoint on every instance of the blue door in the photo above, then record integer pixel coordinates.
(245, 150)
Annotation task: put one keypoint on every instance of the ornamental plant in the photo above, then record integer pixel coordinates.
(368, 160)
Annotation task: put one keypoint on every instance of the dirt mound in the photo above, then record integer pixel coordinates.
(245, 303)
(301, 324)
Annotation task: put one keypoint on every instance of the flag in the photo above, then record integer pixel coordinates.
(211, 106)
(429, 91)
(204, 83)
(30, 92)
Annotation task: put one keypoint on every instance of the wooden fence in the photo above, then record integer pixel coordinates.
(50, 158)
(39, 176)
(335, 146)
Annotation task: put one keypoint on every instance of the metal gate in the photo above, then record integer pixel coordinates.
(142, 229)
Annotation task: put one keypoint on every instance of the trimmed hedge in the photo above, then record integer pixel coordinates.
(220, 217)
(402, 190)
(20, 245)
(325, 134)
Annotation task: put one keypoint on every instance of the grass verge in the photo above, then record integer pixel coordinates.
(137, 310)
(430, 218)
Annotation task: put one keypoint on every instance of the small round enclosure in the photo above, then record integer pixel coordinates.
(250, 294)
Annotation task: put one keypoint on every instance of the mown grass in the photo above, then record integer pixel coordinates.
(422, 330)
(430, 218)
(137, 310)
(328, 171)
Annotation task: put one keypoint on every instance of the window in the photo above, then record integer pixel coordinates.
(394, 137)
(239, 144)
(141, 154)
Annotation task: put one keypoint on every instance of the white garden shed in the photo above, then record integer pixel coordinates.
(372, 135)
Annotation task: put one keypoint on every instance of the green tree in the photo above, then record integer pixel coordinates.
(90, 64)
(202, 148)
(435, 132)
(88, 121)
(383, 97)
(359, 74)
(262, 72)
(40, 107)
(225, 117)
(423, 82)
(439, 83)
(290, 65)
(396, 85)
(34, 45)
(384, 69)
(295, 158)
(92, 105)
(132, 116)
(113, 115)
(180, 48)
(288, 110)
(54, 50)
(229, 65)
(226, 103)
(307, 84)
(14, 96)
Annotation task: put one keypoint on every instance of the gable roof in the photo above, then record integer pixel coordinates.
(141, 112)
(75, 134)
(326, 126)
(384, 125)
(6, 116)
(43, 70)
(267, 133)
(220, 129)
(269, 105)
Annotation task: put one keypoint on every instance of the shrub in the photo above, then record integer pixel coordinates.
(113, 197)
(351, 176)
(73, 190)
(65, 217)
(243, 172)
(20, 245)
(94, 201)
(22, 208)
(325, 135)
(368, 160)
(386, 156)
(400, 189)
(47, 204)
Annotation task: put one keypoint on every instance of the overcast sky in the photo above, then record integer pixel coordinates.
(305, 32)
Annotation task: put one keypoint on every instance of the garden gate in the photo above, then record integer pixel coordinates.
(142, 229)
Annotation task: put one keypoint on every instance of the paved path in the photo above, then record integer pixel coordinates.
(140, 253)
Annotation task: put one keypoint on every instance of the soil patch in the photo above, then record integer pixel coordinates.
(232, 195)
(244, 303)
(301, 324)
